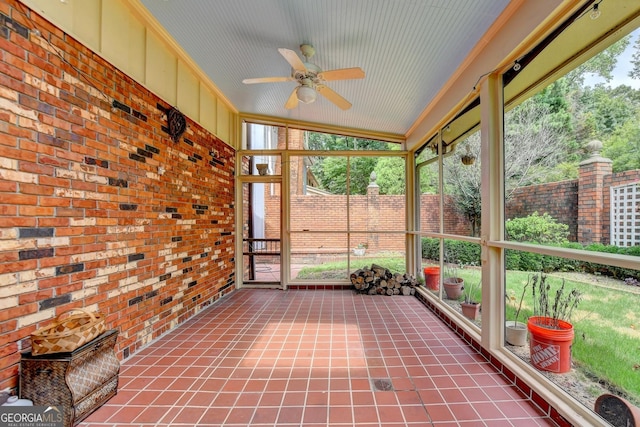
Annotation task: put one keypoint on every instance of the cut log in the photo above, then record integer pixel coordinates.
(377, 280)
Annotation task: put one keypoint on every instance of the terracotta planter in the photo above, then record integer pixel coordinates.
(515, 333)
(550, 344)
(453, 287)
(470, 310)
(617, 411)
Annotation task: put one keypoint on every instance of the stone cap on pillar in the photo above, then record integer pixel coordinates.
(594, 147)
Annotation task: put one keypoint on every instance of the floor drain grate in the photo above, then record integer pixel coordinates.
(382, 384)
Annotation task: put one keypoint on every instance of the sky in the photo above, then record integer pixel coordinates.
(620, 73)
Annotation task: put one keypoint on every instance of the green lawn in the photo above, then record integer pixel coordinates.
(338, 269)
(607, 323)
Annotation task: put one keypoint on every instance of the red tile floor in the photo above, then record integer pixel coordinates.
(313, 358)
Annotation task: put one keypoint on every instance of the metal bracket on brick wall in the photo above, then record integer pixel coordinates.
(177, 124)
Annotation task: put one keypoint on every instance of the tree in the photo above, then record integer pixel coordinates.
(635, 60)
(391, 175)
(463, 182)
(331, 172)
(601, 64)
(531, 152)
(624, 146)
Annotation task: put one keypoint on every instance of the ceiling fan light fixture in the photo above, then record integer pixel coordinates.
(306, 94)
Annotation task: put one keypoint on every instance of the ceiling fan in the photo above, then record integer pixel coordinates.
(310, 79)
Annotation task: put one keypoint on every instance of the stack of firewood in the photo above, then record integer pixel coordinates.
(378, 280)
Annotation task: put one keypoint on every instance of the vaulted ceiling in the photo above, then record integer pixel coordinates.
(423, 59)
(408, 49)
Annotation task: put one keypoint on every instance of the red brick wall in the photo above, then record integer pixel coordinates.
(86, 217)
(559, 199)
(372, 212)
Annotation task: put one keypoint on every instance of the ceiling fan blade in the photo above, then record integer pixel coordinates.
(333, 97)
(292, 102)
(293, 59)
(268, 80)
(342, 74)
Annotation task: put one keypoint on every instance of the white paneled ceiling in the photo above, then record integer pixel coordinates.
(407, 48)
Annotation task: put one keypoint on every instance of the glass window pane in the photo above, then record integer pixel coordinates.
(314, 207)
(570, 183)
(261, 165)
(332, 142)
(428, 189)
(263, 137)
(461, 278)
(319, 256)
(605, 336)
(462, 187)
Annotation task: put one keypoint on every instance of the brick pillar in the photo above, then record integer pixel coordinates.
(591, 195)
(373, 212)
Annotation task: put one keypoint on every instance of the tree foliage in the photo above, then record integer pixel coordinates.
(391, 175)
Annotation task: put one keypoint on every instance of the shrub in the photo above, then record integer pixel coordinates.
(535, 228)
(466, 253)
(430, 248)
(456, 251)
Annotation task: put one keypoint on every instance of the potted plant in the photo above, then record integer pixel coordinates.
(470, 306)
(452, 282)
(361, 249)
(516, 332)
(550, 328)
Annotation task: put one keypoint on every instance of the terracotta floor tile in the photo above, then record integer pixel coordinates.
(385, 398)
(202, 398)
(390, 414)
(265, 358)
(440, 412)
(271, 399)
(265, 415)
(152, 414)
(290, 414)
(340, 414)
(314, 414)
(239, 416)
(415, 414)
(365, 414)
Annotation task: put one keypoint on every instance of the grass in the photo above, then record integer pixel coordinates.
(606, 324)
(338, 269)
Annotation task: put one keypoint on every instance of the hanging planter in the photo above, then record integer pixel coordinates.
(263, 168)
(468, 158)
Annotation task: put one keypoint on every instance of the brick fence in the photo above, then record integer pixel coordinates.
(583, 204)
